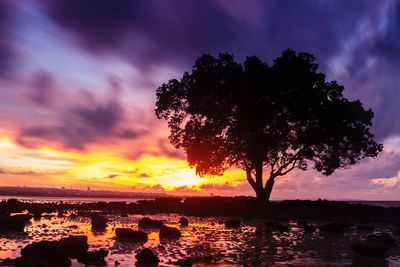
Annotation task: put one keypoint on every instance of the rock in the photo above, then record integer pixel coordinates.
(396, 232)
(233, 223)
(14, 222)
(147, 256)
(366, 249)
(124, 215)
(184, 222)
(146, 222)
(126, 234)
(99, 222)
(95, 257)
(364, 227)
(37, 215)
(33, 261)
(276, 226)
(7, 262)
(53, 253)
(183, 262)
(74, 246)
(383, 238)
(167, 232)
(332, 227)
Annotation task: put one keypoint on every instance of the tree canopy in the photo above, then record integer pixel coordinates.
(264, 118)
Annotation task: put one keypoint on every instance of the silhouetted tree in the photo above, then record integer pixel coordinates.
(263, 118)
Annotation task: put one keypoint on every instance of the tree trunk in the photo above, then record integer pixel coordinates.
(263, 193)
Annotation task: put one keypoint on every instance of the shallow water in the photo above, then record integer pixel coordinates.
(208, 243)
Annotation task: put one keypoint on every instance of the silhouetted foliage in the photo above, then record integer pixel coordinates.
(257, 117)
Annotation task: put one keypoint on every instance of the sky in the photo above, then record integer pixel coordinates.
(78, 81)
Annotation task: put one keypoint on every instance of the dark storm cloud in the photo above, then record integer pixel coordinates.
(149, 33)
(176, 32)
(80, 126)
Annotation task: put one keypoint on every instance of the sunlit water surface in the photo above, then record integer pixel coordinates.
(207, 242)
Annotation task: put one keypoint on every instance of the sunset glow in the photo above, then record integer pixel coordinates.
(77, 102)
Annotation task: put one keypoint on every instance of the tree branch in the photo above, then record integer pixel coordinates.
(250, 179)
(292, 160)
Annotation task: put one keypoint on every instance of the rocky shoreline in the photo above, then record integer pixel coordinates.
(323, 217)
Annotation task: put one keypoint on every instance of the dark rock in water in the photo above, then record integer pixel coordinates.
(126, 234)
(74, 246)
(233, 223)
(332, 227)
(124, 215)
(364, 227)
(276, 226)
(33, 261)
(167, 232)
(14, 222)
(60, 213)
(182, 262)
(183, 221)
(37, 215)
(383, 238)
(7, 262)
(95, 257)
(366, 249)
(146, 257)
(147, 222)
(53, 253)
(99, 222)
(396, 232)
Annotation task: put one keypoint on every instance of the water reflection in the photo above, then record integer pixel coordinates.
(207, 241)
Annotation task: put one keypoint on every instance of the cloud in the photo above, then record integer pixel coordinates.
(16, 171)
(79, 126)
(112, 176)
(43, 85)
(7, 53)
(392, 182)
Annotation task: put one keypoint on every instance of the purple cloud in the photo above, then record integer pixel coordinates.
(82, 125)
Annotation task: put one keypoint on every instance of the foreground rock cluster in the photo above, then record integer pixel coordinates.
(59, 253)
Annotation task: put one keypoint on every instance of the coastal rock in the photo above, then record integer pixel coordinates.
(308, 227)
(382, 238)
(233, 223)
(99, 222)
(53, 253)
(126, 234)
(183, 263)
(332, 227)
(7, 262)
(33, 261)
(367, 249)
(14, 222)
(146, 257)
(95, 257)
(276, 226)
(364, 227)
(74, 246)
(167, 232)
(184, 222)
(396, 232)
(147, 222)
